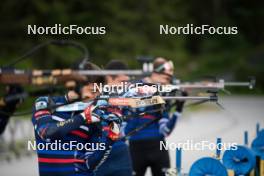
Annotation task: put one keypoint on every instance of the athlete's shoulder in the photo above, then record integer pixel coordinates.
(42, 103)
(41, 108)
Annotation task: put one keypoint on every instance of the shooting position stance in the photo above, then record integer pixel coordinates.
(85, 136)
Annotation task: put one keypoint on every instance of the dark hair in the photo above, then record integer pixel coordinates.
(116, 65)
(93, 79)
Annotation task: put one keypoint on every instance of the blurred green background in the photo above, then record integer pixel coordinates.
(133, 30)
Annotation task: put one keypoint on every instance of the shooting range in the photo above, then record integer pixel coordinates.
(169, 88)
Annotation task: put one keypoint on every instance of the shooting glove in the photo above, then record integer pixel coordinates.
(112, 130)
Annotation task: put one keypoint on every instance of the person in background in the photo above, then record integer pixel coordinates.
(145, 144)
(9, 103)
(119, 161)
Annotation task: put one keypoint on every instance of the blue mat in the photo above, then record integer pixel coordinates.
(208, 166)
(242, 160)
(258, 145)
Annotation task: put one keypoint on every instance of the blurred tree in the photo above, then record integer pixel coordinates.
(133, 29)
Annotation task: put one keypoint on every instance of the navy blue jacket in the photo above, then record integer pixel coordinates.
(64, 128)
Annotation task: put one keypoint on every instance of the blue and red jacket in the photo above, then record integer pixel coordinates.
(65, 128)
(158, 130)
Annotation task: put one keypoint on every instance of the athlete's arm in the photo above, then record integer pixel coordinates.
(166, 123)
(47, 128)
(110, 133)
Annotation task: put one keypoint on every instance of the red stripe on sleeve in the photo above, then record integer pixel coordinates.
(41, 113)
(149, 116)
(55, 160)
(80, 134)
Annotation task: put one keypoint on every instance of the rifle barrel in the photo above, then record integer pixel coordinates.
(247, 84)
(112, 72)
(210, 98)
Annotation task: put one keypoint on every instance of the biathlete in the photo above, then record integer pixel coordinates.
(119, 161)
(145, 144)
(73, 130)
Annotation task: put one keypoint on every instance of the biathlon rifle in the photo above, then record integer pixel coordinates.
(208, 86)
(8, 75)
(215, 86)
(57, 76)
(130, 102)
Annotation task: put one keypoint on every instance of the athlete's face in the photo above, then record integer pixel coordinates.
(162, 78)
(88, 92)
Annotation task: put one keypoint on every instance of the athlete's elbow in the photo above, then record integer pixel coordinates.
(48, 134)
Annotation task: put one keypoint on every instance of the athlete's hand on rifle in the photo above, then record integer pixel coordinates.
(72, 96)
(89, 116)
(92, 113)
(112, 130)
(101, 112)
